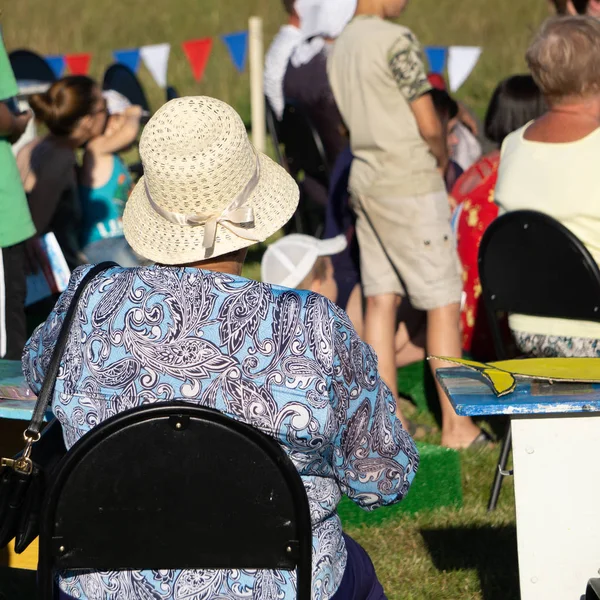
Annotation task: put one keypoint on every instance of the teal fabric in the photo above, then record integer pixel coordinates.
(103, 206)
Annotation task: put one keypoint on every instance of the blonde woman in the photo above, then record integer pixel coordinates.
(550, 165)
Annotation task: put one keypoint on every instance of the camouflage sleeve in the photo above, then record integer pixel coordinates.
(407, 65)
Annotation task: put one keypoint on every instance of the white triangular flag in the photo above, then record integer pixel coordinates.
(156, 59)
(461, 61)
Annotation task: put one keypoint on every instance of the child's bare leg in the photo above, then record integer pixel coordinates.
(380, 331)
(443, 339)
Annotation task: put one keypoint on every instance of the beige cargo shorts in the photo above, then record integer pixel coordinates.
(407, 248)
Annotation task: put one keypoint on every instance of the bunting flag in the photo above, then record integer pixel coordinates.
(156, 59)
(198, 53)
(78, 64)
(461, 62)
(130, 58)
(436, 55)
(57, 64)
(237, 44)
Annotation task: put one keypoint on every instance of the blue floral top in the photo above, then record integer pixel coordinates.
(286, 362)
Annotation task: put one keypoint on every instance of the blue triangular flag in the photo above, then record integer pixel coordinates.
(57, 64)
(237, 44)
(129, 58)
(436, 55)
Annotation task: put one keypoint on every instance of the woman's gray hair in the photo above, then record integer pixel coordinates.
(564, 58)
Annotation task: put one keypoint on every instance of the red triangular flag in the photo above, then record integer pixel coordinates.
(78, 64)
(197, 52)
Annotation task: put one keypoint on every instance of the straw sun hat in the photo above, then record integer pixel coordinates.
(205, 191)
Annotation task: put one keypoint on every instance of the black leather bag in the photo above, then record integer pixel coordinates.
(23, 478)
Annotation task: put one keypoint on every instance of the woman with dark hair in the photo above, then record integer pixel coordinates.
(591, 8)
(74, 111)
(447, 111)
(516, 101)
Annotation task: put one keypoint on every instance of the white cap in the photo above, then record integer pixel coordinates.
(325, 18)
(289, 260)
(116, 103)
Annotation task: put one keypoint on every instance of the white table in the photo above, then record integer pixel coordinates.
(556, 459)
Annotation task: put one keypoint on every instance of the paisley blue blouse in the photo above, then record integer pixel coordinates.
(286, 362)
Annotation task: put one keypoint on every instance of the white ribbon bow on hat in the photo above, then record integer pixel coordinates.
(236, 217)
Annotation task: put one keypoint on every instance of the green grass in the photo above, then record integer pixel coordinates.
(69, 26)
(450, 554)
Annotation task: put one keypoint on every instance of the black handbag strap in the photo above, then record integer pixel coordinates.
(45, 397)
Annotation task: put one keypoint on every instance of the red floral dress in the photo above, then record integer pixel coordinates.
(475, 210)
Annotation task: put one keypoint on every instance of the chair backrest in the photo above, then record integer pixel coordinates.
(176, 486)
(28, 65)
(122, 79)
(531, 264)
(273, 129)
(304, 151)
(172, 93)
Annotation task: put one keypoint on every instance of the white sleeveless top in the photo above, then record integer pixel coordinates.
(563, 181)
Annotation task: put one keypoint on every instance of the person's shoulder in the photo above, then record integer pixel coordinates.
(280, 293)
(26, 150)
(514, 140)
(287, 35)
(374, 32)
(306, 300)
(389, 30)
(59, 154)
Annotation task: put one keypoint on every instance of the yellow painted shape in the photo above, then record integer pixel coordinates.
(584, 370)
(501, 374)
(502, 382)
(26, 560)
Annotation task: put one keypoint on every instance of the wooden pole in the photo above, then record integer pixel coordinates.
(257, 95)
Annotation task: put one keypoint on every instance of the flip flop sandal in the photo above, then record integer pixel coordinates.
(482, 440)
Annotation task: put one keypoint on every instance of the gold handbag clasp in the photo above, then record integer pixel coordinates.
(21, 465)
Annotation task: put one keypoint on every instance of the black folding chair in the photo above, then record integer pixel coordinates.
(593, 589)
(306, 161)
(172, 93)
(28, 65)
(122, 79)
(531, 264)
(175, 486)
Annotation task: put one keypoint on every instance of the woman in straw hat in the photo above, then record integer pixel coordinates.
(192, 328)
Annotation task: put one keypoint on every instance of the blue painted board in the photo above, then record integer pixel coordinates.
(472, 396)
(17, 401)
(20, 410)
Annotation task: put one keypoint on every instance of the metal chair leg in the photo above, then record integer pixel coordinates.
(501, 469)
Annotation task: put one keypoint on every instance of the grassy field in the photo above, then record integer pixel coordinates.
(69, 26)
(450, 554)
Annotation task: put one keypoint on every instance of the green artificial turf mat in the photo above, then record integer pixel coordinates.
(436, 485)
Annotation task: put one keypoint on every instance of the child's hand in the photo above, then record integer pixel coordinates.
(452, 202)
(133, 112)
